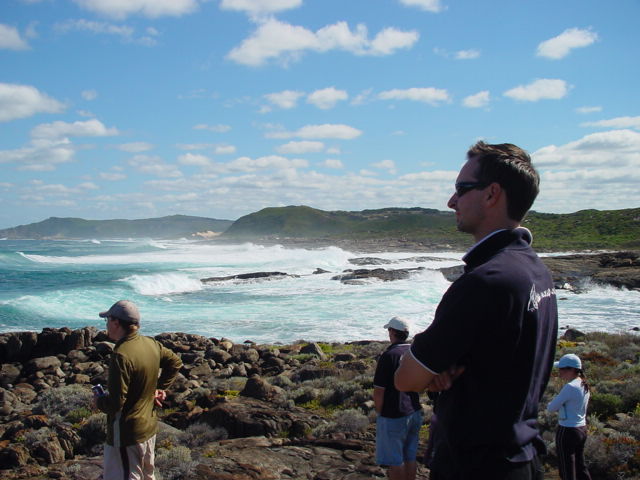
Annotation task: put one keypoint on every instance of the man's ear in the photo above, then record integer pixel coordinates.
(493, 194)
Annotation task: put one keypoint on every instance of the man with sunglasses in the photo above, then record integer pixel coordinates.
(139, 372)
(491, 345)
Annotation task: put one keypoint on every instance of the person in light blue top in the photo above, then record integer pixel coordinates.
(571, 405)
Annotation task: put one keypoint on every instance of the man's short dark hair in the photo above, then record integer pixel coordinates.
(510, 167)
(401, 335)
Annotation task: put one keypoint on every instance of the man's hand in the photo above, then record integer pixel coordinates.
(445, 380)
(159, 397)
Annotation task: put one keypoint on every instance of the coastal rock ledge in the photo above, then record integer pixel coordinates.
(236, 411)
(575, 272)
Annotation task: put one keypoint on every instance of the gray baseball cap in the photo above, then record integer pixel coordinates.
(124, 310)
(569, 360)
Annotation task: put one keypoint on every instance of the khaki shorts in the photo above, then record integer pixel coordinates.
(135, 462)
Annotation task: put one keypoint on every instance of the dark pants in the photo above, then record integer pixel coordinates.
(495, 470)
(570, 448)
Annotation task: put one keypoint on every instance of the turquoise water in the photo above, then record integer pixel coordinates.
(66, 283)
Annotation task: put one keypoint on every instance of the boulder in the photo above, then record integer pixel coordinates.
(42, 363)
(51, 341)
(17, 346)
(313, 349)
(248, 417)
(81, 338)
(48, 450)
(379, 273)
(573, 335)
(247, 276)
(14, 456)
(8, 402)
(218, 355)
(9, 373)
(257, 388)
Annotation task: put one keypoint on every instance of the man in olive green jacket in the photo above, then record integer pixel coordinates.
(139, 372)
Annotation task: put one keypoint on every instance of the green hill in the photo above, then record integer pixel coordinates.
(429, 228)
(586, 229)
(583, 230)
(174, 226)
(300, 222)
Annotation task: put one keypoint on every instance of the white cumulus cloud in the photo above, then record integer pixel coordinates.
(135, 147)
(478, 100)
(59, 129)
(89, 94)
(41, 155)
(278, 40)
(286, 99)
(154, 165)
(112, 176)
(219, 128)
(467, 54)
(541, 89)
(586, 109)
(259, 7)
(332, 163)
(559, 47)
(224, 149)
(95, 27)
(21, 101)
(434, 6)
(194, 159)
(269, 162)
(10, 38)
(618, 122)
(327, 98)
(430, 95)
(600, 170)
(388, 165)
(148, 8)
(298, 148)
(327, 130)
(615, 148)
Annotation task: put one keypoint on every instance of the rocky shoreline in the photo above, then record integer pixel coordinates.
(570, 272)
(236, 411)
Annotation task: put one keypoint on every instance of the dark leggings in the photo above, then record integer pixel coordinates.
(570, 448)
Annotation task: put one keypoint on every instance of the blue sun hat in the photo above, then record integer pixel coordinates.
(569, 360)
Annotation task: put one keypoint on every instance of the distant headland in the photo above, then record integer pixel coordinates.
(400, 229)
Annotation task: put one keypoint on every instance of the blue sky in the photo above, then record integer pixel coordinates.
(218, 108)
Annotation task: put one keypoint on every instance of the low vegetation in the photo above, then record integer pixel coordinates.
(332, 397)
(583, 230)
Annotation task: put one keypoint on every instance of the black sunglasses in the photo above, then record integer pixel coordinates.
(464, 187)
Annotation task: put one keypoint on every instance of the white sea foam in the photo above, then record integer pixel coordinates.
(163, 283)
(166, 287)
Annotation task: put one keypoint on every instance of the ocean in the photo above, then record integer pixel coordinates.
(66, 283)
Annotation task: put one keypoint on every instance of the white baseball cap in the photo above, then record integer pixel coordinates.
(398, 323)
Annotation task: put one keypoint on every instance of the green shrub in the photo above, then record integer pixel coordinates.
(199, 434)
(78, 415)
(604, 405)
(281, 381)
(93, 433)
(345, 421)
(613, 457)
(59, 402)
(175, 463)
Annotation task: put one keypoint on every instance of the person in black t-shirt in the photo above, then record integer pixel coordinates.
(491, 345)
(399, 414)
